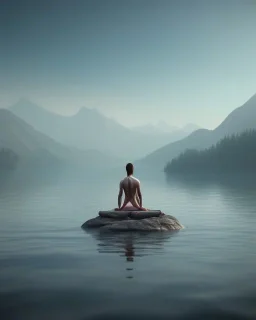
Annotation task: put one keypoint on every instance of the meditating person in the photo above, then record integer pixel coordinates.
(131, 187)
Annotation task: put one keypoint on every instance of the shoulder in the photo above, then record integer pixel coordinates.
(137, 180)
(122, 181)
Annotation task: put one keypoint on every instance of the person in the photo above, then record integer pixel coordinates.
(131, 187)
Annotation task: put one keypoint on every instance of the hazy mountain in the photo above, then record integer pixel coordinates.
(164, 128)
(190, 127)
(159, 128)
(237, 121)
(33, 147)
(89, 129)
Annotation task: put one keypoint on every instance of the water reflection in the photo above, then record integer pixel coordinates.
(238, 191)
(238, 181)
(129, 253)
(131, 245)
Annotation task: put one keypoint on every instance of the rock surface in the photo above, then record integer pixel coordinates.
(133, 214)
(161, 223)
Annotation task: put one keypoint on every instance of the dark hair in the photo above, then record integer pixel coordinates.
(129, 168)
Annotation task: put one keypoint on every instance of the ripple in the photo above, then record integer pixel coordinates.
(51, 269)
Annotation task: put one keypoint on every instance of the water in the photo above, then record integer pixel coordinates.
(51, 269)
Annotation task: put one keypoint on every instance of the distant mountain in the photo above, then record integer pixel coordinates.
(89, 129)
(165, 132)
(163, 128)
(239, 120)
(190, 127)
(34, 148)
(160, 128)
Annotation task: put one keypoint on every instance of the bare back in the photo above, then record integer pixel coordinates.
(131, 187)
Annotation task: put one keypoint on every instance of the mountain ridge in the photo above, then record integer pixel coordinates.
(162, 128)
(89, 129)
(29, 144)
(238, 120)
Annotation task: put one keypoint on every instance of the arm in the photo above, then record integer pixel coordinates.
(120, 195)
(139, 195)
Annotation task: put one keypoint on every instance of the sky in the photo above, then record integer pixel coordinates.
(135, 61)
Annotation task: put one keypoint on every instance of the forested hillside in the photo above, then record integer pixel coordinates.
(8, 159)
(235, 153)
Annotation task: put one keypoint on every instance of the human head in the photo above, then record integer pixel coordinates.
(129, 169)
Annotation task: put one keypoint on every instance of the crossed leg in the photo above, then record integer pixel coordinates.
(136, 209)
(139, 209)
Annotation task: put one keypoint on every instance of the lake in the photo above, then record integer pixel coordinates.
(52, 269)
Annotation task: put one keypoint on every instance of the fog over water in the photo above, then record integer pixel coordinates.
(52, 268)
(85, 88)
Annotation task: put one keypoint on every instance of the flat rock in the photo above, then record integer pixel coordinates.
(161, 223)
(98, 222)
(133, 214)
(114, 214)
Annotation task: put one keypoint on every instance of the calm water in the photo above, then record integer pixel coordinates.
(51, 269)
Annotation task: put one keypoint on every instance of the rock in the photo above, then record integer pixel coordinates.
(133, 214)
(114, 214)
(137, 215)
(98, 222)
(161, 223)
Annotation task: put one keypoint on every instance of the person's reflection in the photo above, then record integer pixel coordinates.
(130, 245)
(129, 253)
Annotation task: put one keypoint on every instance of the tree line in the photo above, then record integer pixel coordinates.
(235, 153)
(8, 159)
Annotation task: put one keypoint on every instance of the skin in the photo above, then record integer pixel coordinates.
(132, 194)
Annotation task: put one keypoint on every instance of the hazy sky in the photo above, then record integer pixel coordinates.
(136, 61)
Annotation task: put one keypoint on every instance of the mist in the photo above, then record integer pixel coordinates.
(136, 63)
(88, 87)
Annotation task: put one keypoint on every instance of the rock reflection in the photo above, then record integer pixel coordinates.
(131, 245)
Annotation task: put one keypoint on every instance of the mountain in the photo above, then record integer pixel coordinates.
(34, 148)
(232, 154)
(190, 127)
(239, 120)
(89, 129)
(160, 128)
(163, 128)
